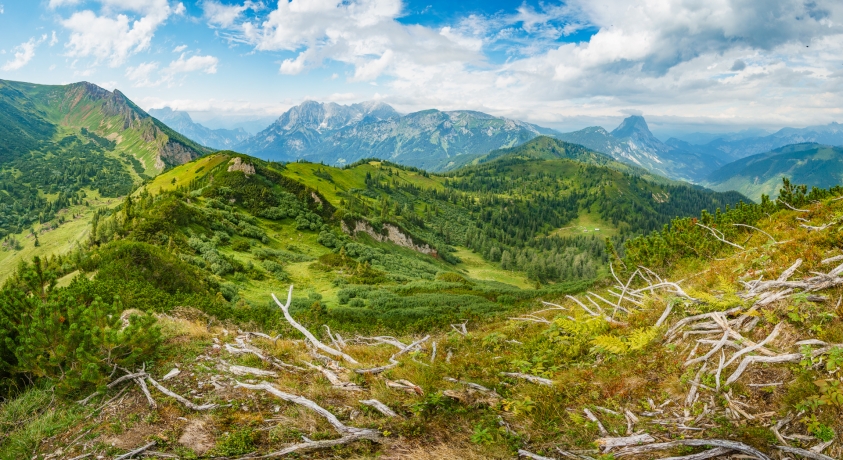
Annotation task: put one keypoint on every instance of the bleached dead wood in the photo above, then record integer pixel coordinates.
(471, 385)
(461, 330)
(173, 372)
(350, 434)
(244, 348)
(335, 380)
(393, 360)
(145, 391)
(122, 379)
(792, 208)
(244, 371)
(757, 229)
(719, 235)
(187, 403)
(706, 454)
(666, 284)
(610, 443)
(786, 358)
(732, 445)
(530, 378)
(136, 451)
(590, 415)
(528, 454)
(381, 407)
(404, 385)
(285, 308)
(803, 453)
(692, 393)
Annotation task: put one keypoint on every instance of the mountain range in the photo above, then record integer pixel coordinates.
(813, 164)
(430, 139)
(214, 138)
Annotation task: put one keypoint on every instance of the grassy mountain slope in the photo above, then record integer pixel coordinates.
(468, 396)
(812, 164)
(68, 149)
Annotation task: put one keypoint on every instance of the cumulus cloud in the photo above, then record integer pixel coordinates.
(113, 35)
(148, 75)
(222, 15)
(23, 54)
(179, 48)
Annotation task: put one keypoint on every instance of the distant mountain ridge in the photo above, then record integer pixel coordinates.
(813, 164)
(215, 138)
(430, 139)
(633, 143)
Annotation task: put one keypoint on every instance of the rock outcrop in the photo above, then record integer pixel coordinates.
(393, 235)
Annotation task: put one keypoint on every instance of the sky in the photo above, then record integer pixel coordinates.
(686, 65)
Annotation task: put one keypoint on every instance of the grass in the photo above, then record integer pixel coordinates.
(477, 268)
(184, 174)
(29, 419)
(60, 240)
(586, 224)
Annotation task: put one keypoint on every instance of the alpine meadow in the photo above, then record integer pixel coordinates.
(589, 230)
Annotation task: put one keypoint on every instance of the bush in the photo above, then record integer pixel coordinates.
(67, 335)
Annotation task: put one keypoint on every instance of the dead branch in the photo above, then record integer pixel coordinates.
(610, 443)
(244, 371)
(792, 208)
(336, 342)
(335, 379)
(462, 330)
(530, 378)
(790, 271)
(757, 229)
(285, 308)
(244, 348)
(590, 416)
(732, 445)
(393, 360)
(528, 454)
(180, 399)
(804, 453)
(136, 451)
(122, 379)
(145, 390)
(381, 407)
(706, 454)
(788, 358)
(173, 372)
(433, 353)
(471, 385)
(720, 236)
(405, 385)
(696, 383)
(350, 434)
(758, 345)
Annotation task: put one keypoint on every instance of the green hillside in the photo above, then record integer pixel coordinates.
(63, 144)
(811, 164)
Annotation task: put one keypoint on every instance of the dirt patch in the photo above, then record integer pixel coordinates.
(197, 436)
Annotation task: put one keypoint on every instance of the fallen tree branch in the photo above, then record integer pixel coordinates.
(244, 370)
(350, 434)
(187, 403)
(732, 445)
(136, 451)
(610, 443)
(393, 360)
(704, 455)
(719, 235)
(590, 415)
(530, 378)
(381, 407)
(528, 454)
(758, 229)
(285, 308)
(804, 453)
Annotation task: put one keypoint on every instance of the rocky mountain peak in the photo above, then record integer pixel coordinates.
(631, 126)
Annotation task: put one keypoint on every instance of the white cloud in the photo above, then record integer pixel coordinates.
(113, 36)
(54, 39)
(179, 48)
(58, 3)
(148, 75)
(141, 75)
(206, 64)
(1, 9)
(23, 54)
(222, 15)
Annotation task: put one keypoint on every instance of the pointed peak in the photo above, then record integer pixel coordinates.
(634, 124)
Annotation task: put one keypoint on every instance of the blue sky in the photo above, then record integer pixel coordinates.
(685, 64)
